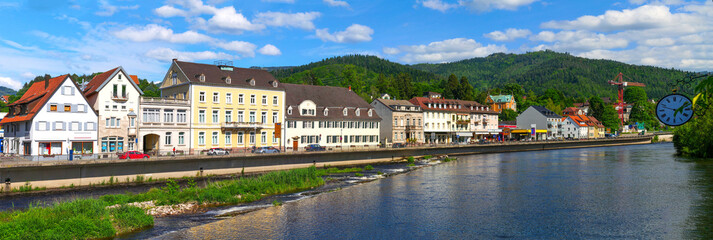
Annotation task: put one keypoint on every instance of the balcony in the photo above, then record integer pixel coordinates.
(151, 100)
(241, 125)
(132, 131)
(410, 128)
(120, 98)
(463, 122)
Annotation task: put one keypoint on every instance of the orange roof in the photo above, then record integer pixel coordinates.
(578, 120)
(6, 98)
(35, 97)
(570, 110)
(97, 81)
(135, 78)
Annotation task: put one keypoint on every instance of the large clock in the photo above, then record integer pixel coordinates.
(670, 112)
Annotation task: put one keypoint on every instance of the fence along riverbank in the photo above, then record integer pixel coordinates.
(82, 173)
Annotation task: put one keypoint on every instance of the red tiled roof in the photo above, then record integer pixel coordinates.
(135, 78)
(35, 97)
(570, 110)
(97, 81)
(6, 98)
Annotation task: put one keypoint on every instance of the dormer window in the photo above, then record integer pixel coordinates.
(326, 112)
(251, 81)
(201, 78)
(370, 110)
(227, 80)
(274, 83)
(289, 111)
(344, 112)
(357, 112)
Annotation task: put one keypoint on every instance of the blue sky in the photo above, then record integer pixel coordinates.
(77, 36)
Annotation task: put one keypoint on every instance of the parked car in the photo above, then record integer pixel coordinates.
(266, 150)
(398, 145)
(314, 148)
(133, 155)
(217, 151)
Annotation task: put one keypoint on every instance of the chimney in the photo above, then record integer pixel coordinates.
(175, 59)
(350, 88)
(47, 83)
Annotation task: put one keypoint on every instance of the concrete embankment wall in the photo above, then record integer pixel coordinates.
(85, 173)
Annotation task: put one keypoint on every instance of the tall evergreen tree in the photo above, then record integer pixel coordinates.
(467, 92)
(450, 91)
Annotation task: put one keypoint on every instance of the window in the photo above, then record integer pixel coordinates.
(115, 91)
(174, 78)
(228, 98)
(201, 138)
(201, 78)
(90, 126)
(83, 147)
(123, 91)
(263, 138)
(74, 126)
(264, 117)
(53, 107)
(240, 116)
(215, 138)
(252, 99)
(252, 117)
(264, 99)
(274, 117)
(168, 115)
(201, 96)
(289, 111)
(274, 100)
(228, 138)
(51, 148)
(228, 116)
(252, 137)
(112, 144)
(181, 116)
(81, 108)
(167, 140)
(181, 141)
(240, 138)
(68, 90)
(42, 126)
(215, 116)
(151, 115)
(216, 97)
(201, 116)
(274, 137)
(240, 98)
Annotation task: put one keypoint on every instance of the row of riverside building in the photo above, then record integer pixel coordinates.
(204, 106)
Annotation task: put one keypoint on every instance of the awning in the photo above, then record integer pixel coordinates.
(527, 131)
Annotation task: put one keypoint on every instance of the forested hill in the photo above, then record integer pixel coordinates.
(539, 71)
(370, 63)
(6, 91)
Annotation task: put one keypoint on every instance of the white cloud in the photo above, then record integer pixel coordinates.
(658, 42)
(270, 49)
(167, 54)
(192, 8)
(487, 5)
(354, 33)
(644, 17)
(245, 49)
(391, 51)
(227, 20)
(446, 51)
(509, 34)
(336, 3)
(170, 11)
(279, 1)
(296, 20)
(438, 5)
(155, 32)
(9, 82)
(577, 41)
(108, 10)
(28, 75)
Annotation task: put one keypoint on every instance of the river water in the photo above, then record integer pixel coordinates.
(640, 192)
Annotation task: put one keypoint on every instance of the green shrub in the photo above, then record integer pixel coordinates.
(412, 165)
(358, 174)
(379, 172)
(410, 159)
(368, 168)
(427, 157)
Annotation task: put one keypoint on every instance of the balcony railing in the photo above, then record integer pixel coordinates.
(163, 100)
(242, 125)
(413, 127)
(120, 97)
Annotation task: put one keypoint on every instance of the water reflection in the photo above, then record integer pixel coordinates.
(617, 192)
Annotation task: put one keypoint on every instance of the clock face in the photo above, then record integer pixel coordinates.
(667, 106)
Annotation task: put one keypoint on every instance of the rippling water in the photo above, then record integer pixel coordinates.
(639, 192)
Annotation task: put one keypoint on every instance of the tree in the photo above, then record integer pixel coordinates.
(693, 139)
(507, 115)
(452, 87)
(606, 114)
(596, 107)
(634, 95)
(467, 92)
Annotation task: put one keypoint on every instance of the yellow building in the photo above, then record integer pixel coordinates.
(232, 108)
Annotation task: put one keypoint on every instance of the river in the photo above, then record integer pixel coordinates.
(639, 191)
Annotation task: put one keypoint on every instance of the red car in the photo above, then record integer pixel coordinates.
(133, 155)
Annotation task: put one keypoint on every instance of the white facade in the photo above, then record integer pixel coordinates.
(438, 123)
(65, 121)
(164, 126)
(572, 129)
(335, 130)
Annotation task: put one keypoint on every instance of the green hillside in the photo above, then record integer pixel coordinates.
(6, 91)
(539, 71)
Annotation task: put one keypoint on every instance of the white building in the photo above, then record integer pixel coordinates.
(115, 96)
(450, 120)
(51, 118)
(574, 127)
(164, 125)
(334, 117)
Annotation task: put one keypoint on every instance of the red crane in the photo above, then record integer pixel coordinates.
(621, 84)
